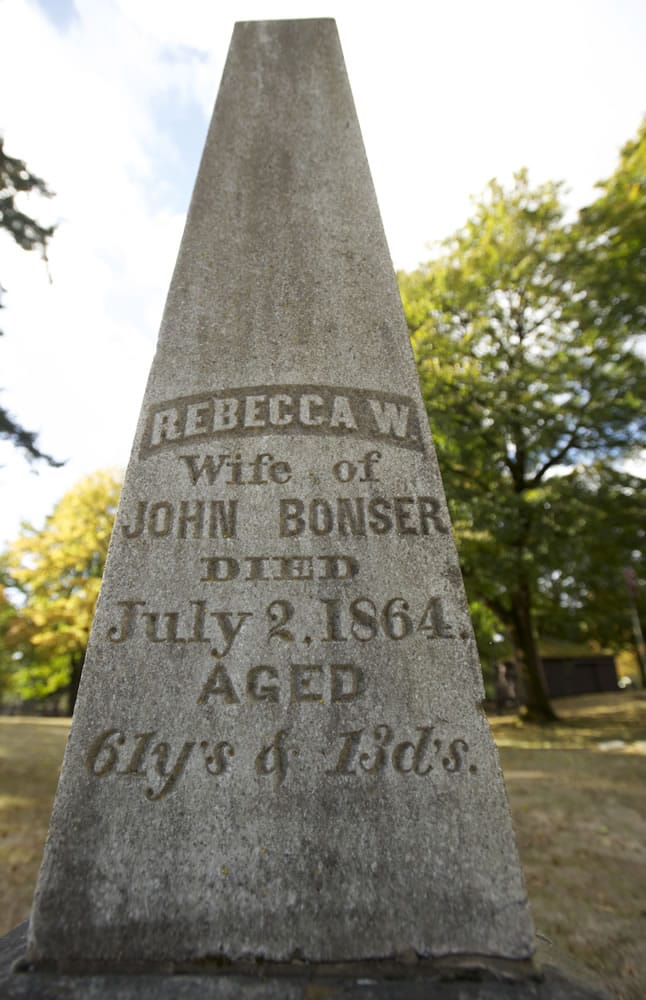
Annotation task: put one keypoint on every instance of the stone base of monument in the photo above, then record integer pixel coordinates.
(546, 978)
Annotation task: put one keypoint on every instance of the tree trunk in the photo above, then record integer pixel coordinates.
(538, 705)
(76, 667)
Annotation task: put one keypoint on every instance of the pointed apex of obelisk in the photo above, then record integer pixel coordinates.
(278, 749)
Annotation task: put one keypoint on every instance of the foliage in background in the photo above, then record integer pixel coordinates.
(56, 573)
(583, 593)
(16, 179)
(611, 244)
(535, 393)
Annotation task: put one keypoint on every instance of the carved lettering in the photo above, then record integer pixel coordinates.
(342, 415)
(309, 411)
(225, 415)
(413, 757)
(345, 470)
(180, 626)
(364, 753)
(371, 752)
(280, 410)
(125, 629)
(262, 684)
(306, 682)
(197, 422)
(433, 622)
(135, 764)
(168, 770)
(279, 613)
(165, 426)
(273, 759)
(352, 516)
(293, 683)
(219, 569)
(455, 759)
(191, 515)
(230, 469)
(222, 569)
(111, 754)
(104, 755)
(347, 758)
(390, 418)
(382, 737)
(185, 519)
(219, 685)
(359, 516)
(347, 682)
(152, 620)
(286, 409)
(228, 628)
(363, 620)
(216, 759)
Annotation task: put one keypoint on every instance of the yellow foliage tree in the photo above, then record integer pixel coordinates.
(57, 571)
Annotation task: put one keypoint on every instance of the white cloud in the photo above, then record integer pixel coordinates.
(77, 351)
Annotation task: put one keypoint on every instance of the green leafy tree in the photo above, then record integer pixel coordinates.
(606, 260)
(583, 595)
(7, 650)
(605, 534)
(56, 573)
(610, 244)
(525, 387)
(16, 180)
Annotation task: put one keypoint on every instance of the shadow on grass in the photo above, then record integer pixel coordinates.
(586, 722)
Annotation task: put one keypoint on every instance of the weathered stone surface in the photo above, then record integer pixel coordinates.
(278, 750)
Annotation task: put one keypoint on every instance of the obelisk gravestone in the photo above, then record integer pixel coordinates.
(279, 750)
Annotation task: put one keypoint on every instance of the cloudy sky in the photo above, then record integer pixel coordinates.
(109, 101)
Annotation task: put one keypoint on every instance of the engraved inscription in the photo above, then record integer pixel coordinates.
(274, 759)
(221, 628)
(336, 620)
(111, 753)
(363, 620)
(283, 409)
(183, 519)
(367, 752)
(230, 469)
(221, 569)
(371, 751)
(363, 470)
(299, 683)
(289, 618)
(361, 516)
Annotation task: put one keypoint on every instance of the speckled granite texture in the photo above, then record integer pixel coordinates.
(278, 751)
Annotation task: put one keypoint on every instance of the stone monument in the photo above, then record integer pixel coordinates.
(279, 756)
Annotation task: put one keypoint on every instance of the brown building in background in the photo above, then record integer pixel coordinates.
(569, 675)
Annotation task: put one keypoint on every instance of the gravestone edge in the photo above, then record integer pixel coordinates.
(458, 979)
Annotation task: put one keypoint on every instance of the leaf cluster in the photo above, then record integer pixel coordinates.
(55, 574)
(609, 244)
(535, 394)
(15, 180)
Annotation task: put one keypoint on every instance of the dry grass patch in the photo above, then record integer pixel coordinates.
(578, 798)
(31, 751)
(579, 813)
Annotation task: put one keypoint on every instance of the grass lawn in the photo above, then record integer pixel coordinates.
(577, 792)
(31, 751)
(578, 798)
